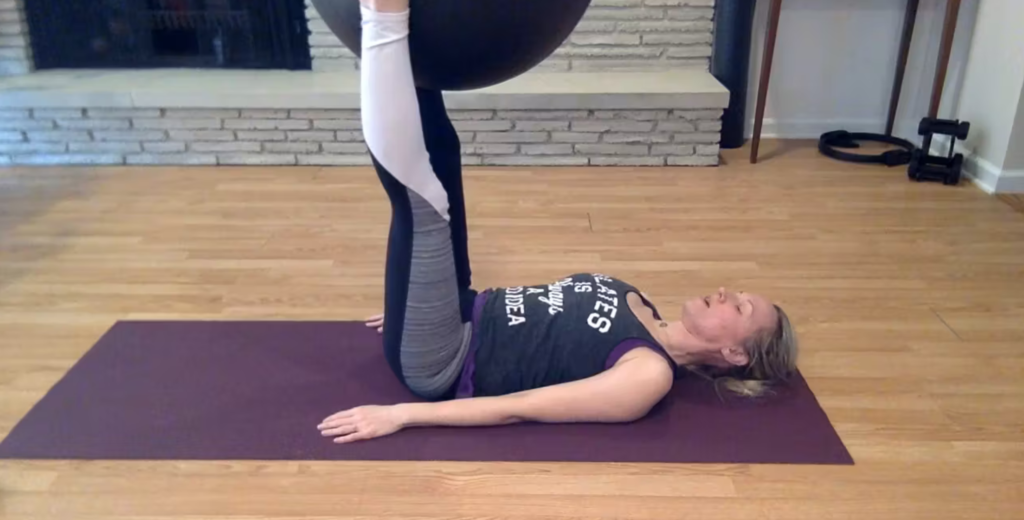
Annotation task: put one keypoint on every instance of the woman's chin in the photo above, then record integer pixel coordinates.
(693, 307)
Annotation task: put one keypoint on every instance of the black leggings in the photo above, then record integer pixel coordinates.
(442, 143)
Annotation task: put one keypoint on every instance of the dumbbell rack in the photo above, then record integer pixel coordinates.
(926, 167)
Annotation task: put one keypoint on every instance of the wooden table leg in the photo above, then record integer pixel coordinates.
(909, 19)
(766, 72)
(948, 31)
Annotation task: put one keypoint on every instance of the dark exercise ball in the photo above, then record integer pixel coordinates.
(469, 44)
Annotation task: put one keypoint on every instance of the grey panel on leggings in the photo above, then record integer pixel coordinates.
(434, 339)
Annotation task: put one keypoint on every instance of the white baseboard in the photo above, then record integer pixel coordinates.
(813, 128)
(981, 171)
(1011, 181)
(986, 176)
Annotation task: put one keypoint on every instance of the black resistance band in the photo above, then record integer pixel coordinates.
(830, 141)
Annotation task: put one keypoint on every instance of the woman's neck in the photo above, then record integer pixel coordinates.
(671, 336)
(678, 353)
(680, 345)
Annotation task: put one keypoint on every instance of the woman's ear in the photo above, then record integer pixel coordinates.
(736, 356)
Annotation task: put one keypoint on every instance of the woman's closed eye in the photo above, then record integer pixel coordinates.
(749, 307)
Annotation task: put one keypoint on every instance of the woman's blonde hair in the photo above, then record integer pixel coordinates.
(772, 354)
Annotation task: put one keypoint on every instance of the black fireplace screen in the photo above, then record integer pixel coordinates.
(258, 34)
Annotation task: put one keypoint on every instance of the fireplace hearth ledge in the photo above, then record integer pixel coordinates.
(195, 88)
(264, 118)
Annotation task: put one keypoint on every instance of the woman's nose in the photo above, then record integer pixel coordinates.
(721, 294)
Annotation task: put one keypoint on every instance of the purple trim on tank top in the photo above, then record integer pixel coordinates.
(634, 343)
(465, 388)
(649, 305)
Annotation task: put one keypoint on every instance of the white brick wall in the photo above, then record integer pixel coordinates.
(614, 35)
(15, 53)
(306, 137)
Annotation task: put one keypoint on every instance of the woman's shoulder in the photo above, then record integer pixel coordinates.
(646, 368)
(641, 353)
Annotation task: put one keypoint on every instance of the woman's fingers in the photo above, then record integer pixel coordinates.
(360, 423)
(327, 425)
(376, 322)
(335, 417)
(337, 426)
(344, 429)
(352, 437)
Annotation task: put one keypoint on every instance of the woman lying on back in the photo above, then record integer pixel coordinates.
(587, 347)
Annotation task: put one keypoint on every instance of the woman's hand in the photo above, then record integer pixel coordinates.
(362, 423)
(376, 322)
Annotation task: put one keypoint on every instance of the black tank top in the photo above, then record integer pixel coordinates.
(531, 337)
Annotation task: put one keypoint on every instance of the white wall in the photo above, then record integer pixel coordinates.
(991, 96)
(835, 61)
(1015, 152)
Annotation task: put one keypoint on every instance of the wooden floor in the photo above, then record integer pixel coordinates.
(1016, 201)
(909, 299)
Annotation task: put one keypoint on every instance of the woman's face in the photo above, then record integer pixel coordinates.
(727, 319)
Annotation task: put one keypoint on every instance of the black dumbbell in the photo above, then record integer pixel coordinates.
(950, 127)
(953, 175)
(914, 168)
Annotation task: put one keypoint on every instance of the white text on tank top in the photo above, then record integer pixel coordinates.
(606, 307)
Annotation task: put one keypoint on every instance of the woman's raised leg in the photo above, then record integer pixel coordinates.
(446, 158)
(425, 336)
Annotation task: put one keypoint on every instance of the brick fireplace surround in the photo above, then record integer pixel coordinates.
(630, 87)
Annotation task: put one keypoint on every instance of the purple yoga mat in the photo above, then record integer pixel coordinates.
(257, 390)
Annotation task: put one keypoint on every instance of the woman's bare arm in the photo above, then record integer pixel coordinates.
(624, 393)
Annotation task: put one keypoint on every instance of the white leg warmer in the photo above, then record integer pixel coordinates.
(390, 112)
